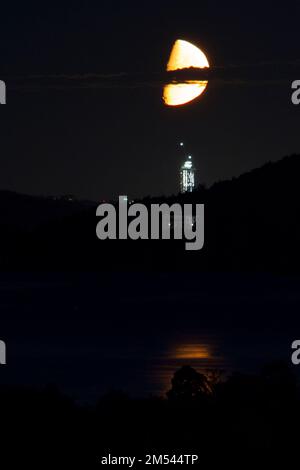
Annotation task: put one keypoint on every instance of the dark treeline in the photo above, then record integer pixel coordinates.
(223, 421)
(251, 223)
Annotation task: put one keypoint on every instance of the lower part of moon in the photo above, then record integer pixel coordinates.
(176, 94)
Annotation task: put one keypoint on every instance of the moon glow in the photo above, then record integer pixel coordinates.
(184, 55)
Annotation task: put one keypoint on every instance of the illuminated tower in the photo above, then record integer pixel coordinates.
(187, 175)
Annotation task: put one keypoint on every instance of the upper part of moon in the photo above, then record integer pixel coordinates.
(185, 55)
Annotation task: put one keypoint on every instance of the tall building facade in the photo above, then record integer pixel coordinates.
(187, 176)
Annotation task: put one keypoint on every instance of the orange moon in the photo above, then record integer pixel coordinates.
(184, 55)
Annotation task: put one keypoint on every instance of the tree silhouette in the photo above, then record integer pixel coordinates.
(188, 384)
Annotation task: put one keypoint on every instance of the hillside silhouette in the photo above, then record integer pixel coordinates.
(246, 415)
(251, 223)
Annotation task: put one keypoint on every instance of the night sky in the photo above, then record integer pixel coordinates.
(75, 123)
